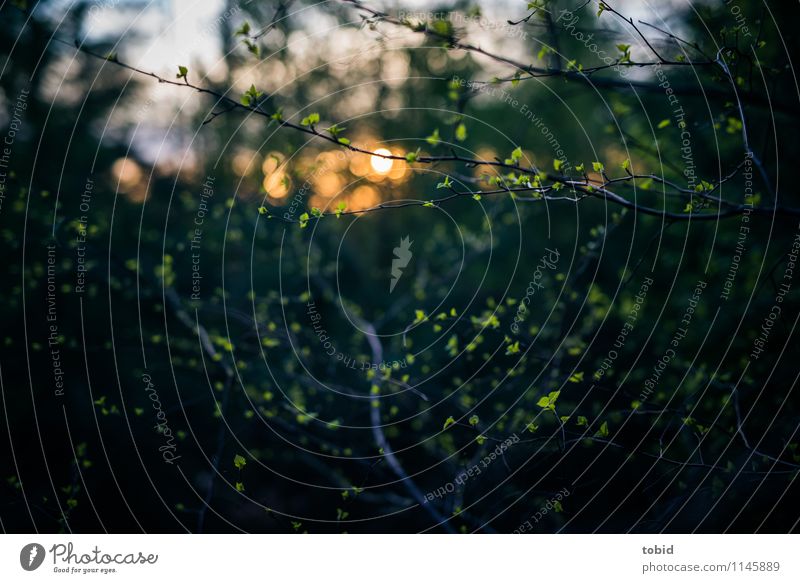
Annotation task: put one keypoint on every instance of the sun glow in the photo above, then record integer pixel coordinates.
(379, 164)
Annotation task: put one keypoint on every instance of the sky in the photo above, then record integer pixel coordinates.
(159, 35)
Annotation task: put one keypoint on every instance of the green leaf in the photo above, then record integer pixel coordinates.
(411, 157)
(433, 139)
(252, 48)
(473, 420)
(182, 72)
(626, 165)
(557, 164)
(704, 186)
(603, 432)
(549, 402)
(663, 123)
(316, 213)
(251, 96)
(461, 132)
(239, 461)
(543, 52)
(243, 30)
(598, 166)
(340, 208)
(446, 183)
(310, 119)
(448, 422)
(576, 378)
(480, 440)
(304, 220)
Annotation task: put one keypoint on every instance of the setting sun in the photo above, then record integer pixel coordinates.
(380, 164)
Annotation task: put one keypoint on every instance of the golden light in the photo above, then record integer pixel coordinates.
(130, 179)
(127, 172)
(276, 184)
(272, 162)
(276, 180)
(243, 162)
(380, 164)
(360, 165)
(328, 185)
(363, 197)
(481, 171)
(398, 171)
(328, 161)
(319, 201)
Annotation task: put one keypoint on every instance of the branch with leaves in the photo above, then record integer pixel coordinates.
(524, 179)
